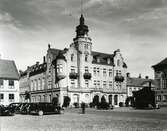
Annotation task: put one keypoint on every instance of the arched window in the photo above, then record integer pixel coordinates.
(72, 57)
(118, 62)
(86, 57)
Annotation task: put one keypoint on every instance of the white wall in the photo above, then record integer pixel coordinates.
(6, 90)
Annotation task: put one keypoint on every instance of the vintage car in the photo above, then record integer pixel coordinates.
(42, 108)
(6, 111)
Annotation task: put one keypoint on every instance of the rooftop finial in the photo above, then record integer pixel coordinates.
(82, 20)
(81, 7)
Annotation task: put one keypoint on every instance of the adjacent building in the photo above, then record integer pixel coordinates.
(77, 72)
(138, 83)
(160, 75)
(9, 82)
(135, 84)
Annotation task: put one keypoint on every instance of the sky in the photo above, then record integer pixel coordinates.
(137, 27)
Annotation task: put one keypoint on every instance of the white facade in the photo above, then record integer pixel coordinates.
(9, 93)
(80, 73)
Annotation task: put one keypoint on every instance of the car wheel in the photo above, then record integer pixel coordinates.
(40, 113)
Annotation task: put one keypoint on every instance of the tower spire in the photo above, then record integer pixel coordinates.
(81, 7)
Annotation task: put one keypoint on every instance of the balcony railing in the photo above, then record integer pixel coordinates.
(87, 75)
(73, 75)
(119, 78)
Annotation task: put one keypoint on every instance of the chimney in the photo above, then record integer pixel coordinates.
(146, 77)
(37, 63)
(44, 61)
(48, 46)
(128, 75)
(139, 75)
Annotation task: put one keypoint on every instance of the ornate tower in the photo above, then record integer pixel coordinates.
(83, 46)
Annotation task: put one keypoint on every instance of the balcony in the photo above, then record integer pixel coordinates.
(60, 76)
(119, 78)
(73, 75)
(87, 75)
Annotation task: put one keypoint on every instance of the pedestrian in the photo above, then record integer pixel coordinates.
(83, 107)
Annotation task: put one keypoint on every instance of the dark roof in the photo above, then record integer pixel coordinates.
(138, 82)
(8, 70)
(34, 69)
(102, 56)
(162, 64)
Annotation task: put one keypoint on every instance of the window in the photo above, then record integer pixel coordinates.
(165, 98)
(118, 62)
(104, 84)
(86, 46)
(110, 72)
(104, 72)
(86, 83)
(72, 83)
(94, 71)
(110, 84)
(11, 83)
(86, 69)
(32, 85)
(1, 83)
(1, 97)
(98, 84)
(43, 83)
(39, 84)
(118, 72)
(59, 68)
(86, 58)
(11, 97)
(72, 57)
(98, 71)
(159, 98)
(95, 83)
(72, 69)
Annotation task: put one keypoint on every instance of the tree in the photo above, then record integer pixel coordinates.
(66, 101)
(27, 95)
(103, 99)
(55, 101)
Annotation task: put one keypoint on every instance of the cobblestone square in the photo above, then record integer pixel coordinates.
(119, 119)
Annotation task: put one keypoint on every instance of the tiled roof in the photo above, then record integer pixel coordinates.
(161, 64)
(102, 56)
(8, 70)
(35, 69)
(138, 82)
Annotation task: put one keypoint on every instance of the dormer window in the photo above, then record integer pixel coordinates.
(98, 60)
(72, 57)
(108, 61)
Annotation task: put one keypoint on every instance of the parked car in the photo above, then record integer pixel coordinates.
(19, 108)
(42, 108)
(14, 106)
(6, 111)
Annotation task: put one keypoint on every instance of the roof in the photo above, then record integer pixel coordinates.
(138, 82)
(35, 69)
(161, 64)
(102, 56)
(8, 70)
